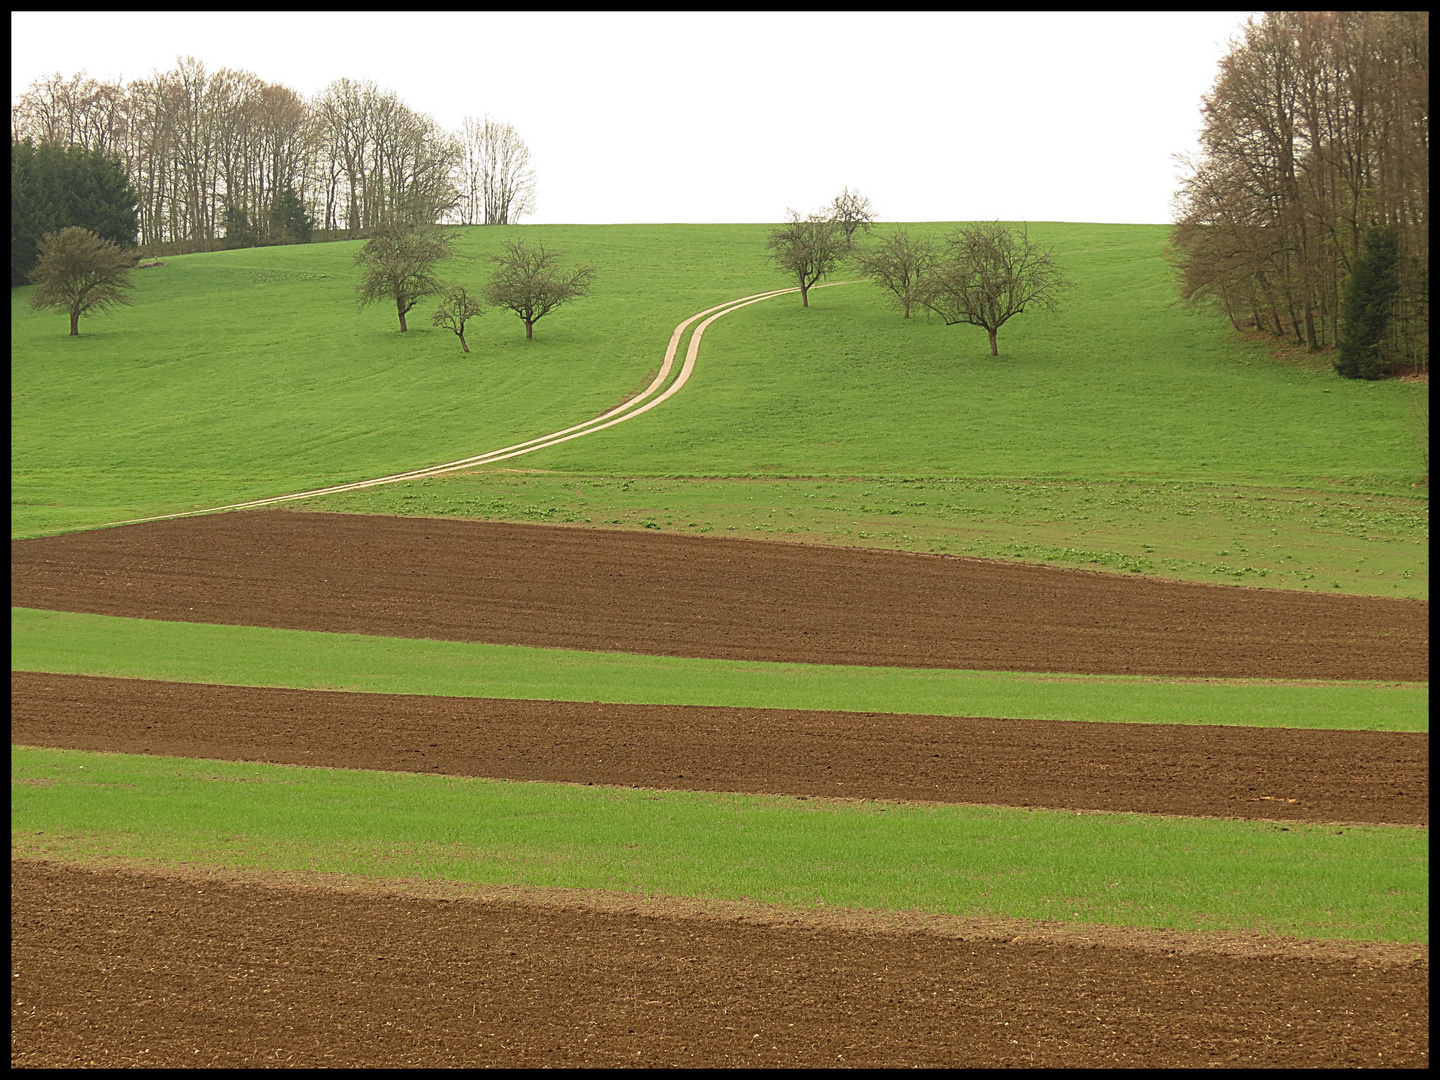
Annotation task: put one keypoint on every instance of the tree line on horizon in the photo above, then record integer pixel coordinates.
(226, 154)
(1306, 213)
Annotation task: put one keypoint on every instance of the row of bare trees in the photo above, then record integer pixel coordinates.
(205, 148)
(981, 275)
(1317, 129)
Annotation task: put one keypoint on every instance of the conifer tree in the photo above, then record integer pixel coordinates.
(1369, 293)
(53, 187)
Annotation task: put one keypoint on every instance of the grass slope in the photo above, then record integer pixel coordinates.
(1362, 883)
(247, 373)
(240, 374)
(250, 656)
(1121, 383)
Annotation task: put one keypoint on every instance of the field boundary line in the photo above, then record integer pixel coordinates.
(627, 410)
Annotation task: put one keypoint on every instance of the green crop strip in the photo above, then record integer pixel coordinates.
(1323, 541)
(1363, 883)
(73, 643)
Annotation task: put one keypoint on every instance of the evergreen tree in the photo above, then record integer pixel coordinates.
(1369, 294)
(290, 219)
(238, 233)
(53, 187)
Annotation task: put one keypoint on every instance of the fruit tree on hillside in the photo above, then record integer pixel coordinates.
(533, 282)
(989, 274)
(79, 273)
(807, 249)
(398, 263)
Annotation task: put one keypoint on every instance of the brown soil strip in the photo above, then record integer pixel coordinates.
(1266, 773)
(118, 968)
(673, 595)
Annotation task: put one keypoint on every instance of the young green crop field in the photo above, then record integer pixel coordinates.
(80, 644)
(1355, 882)
(1123, 434)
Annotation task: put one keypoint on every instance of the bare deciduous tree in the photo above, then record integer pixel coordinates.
(395, 163)
(807, 249)
(1317, 126)
(851, 211)
(80, 274)
(989, 275)
(901, 264)
(497, 184)
(457, 307)
(533, 283)
(398, 263)
(197, 143)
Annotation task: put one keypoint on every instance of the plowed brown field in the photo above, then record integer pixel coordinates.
(129, 968)
(1276, 774)
(675, 595)
(115, 968)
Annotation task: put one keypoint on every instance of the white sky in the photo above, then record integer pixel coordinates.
(729, 117)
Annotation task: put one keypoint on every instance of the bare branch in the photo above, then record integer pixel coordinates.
(806, 249)
(532, 282)
(399, 264)
(989, 275)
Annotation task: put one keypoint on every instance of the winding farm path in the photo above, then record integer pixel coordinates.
(637, 405)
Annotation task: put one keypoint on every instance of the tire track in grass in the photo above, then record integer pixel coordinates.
(618, 415)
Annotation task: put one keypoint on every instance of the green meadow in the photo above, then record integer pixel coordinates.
(240, 374)
(82, 644)
(1102, 437)
(1123, 435)
(1359, 883)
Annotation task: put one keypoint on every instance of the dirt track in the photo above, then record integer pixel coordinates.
(674, 595)
(1267, 773)
(630, 409)
(123, 969)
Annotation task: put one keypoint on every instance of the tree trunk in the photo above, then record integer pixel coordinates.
(994, 350)
(907, 309)
(463, 346)
(1310, 342)
(529, 324)
(401, 312)
(804, 296)
(74, 322)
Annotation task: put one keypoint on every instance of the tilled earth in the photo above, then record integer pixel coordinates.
(673, 595)
(129, 968)
(1277, 774)
(124, 969)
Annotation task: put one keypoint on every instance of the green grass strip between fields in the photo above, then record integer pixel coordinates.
(73, 643)
(1367, 883)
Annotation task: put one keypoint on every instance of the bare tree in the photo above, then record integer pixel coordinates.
(851, 211)
(72, 112)
(534, 283)
(497, 184)
(200, 145)
(456, 309)
(989, 275)
(80, 273)
(900, 264)
(398, 263)
(807, 249)
(1317, 126)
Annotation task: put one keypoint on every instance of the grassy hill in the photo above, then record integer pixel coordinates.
(1122, 433)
